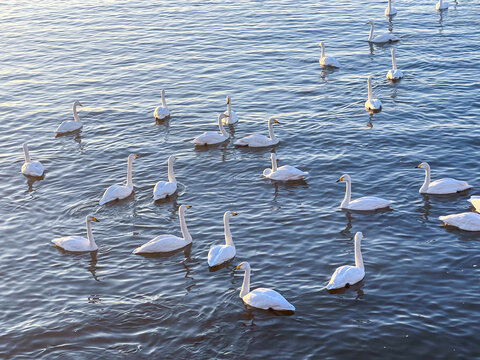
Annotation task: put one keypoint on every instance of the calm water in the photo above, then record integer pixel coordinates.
(420, 296)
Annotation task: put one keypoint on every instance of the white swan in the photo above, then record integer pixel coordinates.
(78, 243)
(468, 221)
(69, 126)
(394, 74)
(220, 254)
(363, 203)
(475, 201)
(348, 275)
(440, 186)
(119, 192)
(168, 243)
(163, 189)
(262, 298)
(285, 172)
(257, 140)
(213, 137)
(231, 116)
(327, 61)
(441, 5)
(161, 112)
(382, 38)
(29, 167)
(390, 10)
(372, 104)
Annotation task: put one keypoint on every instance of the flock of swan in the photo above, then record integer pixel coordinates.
(219, 255)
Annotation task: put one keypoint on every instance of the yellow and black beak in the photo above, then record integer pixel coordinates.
(135, 156)
(187, 206)
(418, 166)
(225, 115)
(95, 219)
(228, 100)
(234, 213)
(341, 179)
(238, 266)
(80, 104)
(175, 158)
(276, 121)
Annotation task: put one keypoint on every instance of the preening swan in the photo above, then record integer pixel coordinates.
(78, 243)
(69, 126)
(261, 298)
(118, 192)
(327, 61)
(231, 116)
(220, 254)
(162, 112)
(168, 243)
(348, 275)
(468, 221)
(213, 137)
(285, 172)
(475, 201)
(440, 186)
(372, 104)
(382, 38)
(363, 203)
(394, 74)
(29, 167)
(390, 10)
(163, 189)
(257, 140)
(441, 5)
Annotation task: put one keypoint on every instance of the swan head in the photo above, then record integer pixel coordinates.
(229, 214)
(273, 156)
(172, 158)
(184, 207)
(228, 100)
(77, 103)
(345, 177)
(369, 22)
(320, 44)
(243, 266)
(358, 235)
(132, 157)
(423, 165)
(273, 121)
(92, 218)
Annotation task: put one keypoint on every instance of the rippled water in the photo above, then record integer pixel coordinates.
(419, 298)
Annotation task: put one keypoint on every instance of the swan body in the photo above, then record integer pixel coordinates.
(390, 10)
(372, 104)
(475, 201)
(468, 221)
(285, 172)
(382, 38)
(348, 275)
(220, 254)
(231, 116)
(213, 137)
(394, 74)
(29, 167)
(257, 140)
(168, 243)
(441, 5)
(440, 186)
(163, 189)
(161, 112)
(364, 203)
(78, 243)
(262, 298)
(118, 192)
(70, 126)
(327, 61)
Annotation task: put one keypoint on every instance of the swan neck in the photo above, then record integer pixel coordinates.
(323, 51)
(183, 226)
(229, 109)
(371, 32)
(129, 171)
(74, 110)
(369, 85)
(394, 61)
(246, 283)
(358, 253)
(164, 104)
(274, 164)
(26, 153)
(91, 241)
(270, 131)
(348, 193)
(389, 6)
(426, 183)
(171, 174)
(228, 234)
(222, 129)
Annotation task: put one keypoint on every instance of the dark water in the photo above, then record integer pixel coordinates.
(420, 296)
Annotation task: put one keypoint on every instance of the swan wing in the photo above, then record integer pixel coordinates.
(373, 104)
(115, 192)
(447, 186)
(384, 38)
(163, 189)
(394, 74)
(219, 254)
(209, 138)
(368, 203)
(287, 172)
(475, 201)
(161, 113)
(68, 126)
(329, 61)
(344, 275)
(161, 243)
(74, 243)
(255, 140)
(263, 298)
(33, 168)
(468, 221)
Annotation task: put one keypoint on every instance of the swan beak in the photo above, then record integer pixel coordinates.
(228, 100)
(341, 179)
(135, 156)
(95, 219)
(80, 104)
(418, 166)
(175, 158)
(187, 206)
(276, 121)
(234, 213)
(238, 266)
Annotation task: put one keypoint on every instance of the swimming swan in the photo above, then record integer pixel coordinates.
(468, 221)
(168, 243)
(257, 140)
(213, 137)
(285, 172)
(347, 275)
(163, 189)
(220, 254)
(394, 74)
(382, 38)
(231, 116)
(363, 203)
(372, 104)
(327, 61)
(119, 192)
(69, 126)
(441, 5)
(31, 168)
(162, 112)
(390, 10)
(78, 243)
(262, 298)
(440, 186)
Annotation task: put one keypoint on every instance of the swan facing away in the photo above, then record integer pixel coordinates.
(230, 115)
(390, 10)
(475, 201)
(394, 74)
(327, 61)
(285, 172)
(163, 189)
(262, 298)
(213, 137)
(219, 254)
(257, 140)
(440, 186)
(382, 38)
(78, 243)
(347, 275)
(69, 126)
(161, 112)
(468, 221)
(372, 104)
(29, 167)
(441, 5)
(364, 203)
(119, 192)
(168, 243)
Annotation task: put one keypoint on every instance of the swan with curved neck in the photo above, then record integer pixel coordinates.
(30, 167)
(162, 112)
(382, 38)
(390, 10)
(231, 116)
(440, 186)
(372, 104)
(118, 192)
(168, 243)
(441, 5)
(468, 221)
(69, 126)
(257, 140)
(327, 61)
(364, 203)
(163, 189)
(347, 275)
(78, 243)
(213, 137)
(220, 254)
(283, 173)
(262, 298)
(394, 74)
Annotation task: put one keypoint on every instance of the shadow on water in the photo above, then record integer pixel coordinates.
(251, 311)
(92, 265)
(186, 252)
(165, 126)
(425, 209)
(328, 70)
(369, 124)
(462, 234)
(224, 265)
(357, 287)
(32, 179)
(346, 231)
